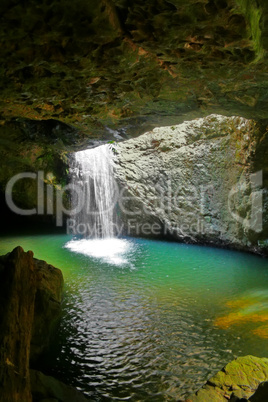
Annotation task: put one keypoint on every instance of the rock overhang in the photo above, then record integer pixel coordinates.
(132, 65)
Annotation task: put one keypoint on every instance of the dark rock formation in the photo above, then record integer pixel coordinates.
(46, 388)
(197, 182)
(237, 381)
(17, 293)
(30, 294)
(47, 307)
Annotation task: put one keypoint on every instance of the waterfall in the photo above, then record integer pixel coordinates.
(96, 190)
(94, 205)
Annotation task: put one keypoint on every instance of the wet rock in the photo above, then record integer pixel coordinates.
(41, 146)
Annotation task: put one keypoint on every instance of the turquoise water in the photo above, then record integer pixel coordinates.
(150, 320)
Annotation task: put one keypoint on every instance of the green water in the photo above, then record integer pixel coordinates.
(147, 320)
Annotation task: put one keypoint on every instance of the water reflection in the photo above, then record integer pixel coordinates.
(252, 308)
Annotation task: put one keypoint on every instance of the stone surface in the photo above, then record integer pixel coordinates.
(48, 389)
(196, 182)
(238, 379)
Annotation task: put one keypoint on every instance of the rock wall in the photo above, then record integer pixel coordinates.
(201, 181)
(47, 307)
(30, 295)
(118, 61)
(18, 287)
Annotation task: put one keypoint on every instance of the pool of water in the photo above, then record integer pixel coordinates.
(150, 320)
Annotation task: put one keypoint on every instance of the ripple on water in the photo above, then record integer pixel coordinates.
(131, 350)
(140, 317)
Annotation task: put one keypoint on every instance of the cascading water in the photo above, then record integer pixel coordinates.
(94, 204)
(96, 193)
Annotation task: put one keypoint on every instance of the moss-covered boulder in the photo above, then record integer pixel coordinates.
(238, 379)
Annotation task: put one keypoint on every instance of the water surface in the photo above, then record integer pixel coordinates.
(147, 320)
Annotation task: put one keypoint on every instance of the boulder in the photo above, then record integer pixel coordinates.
(237, 381)
(197, 182)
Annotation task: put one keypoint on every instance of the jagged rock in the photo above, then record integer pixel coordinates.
(30, 290)
(46, 388)
(237, 381)
(47, 307)
(17, 293)
(195, 182)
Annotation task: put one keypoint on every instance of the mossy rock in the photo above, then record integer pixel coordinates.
(238, 379)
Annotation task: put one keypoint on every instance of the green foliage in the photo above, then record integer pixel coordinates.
(112, 147)
(253, 14)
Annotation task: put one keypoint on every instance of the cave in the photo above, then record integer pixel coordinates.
(134, 148)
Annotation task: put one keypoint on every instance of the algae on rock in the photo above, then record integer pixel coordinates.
(238, 379)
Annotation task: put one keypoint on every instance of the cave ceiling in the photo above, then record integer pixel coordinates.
(131, 65)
